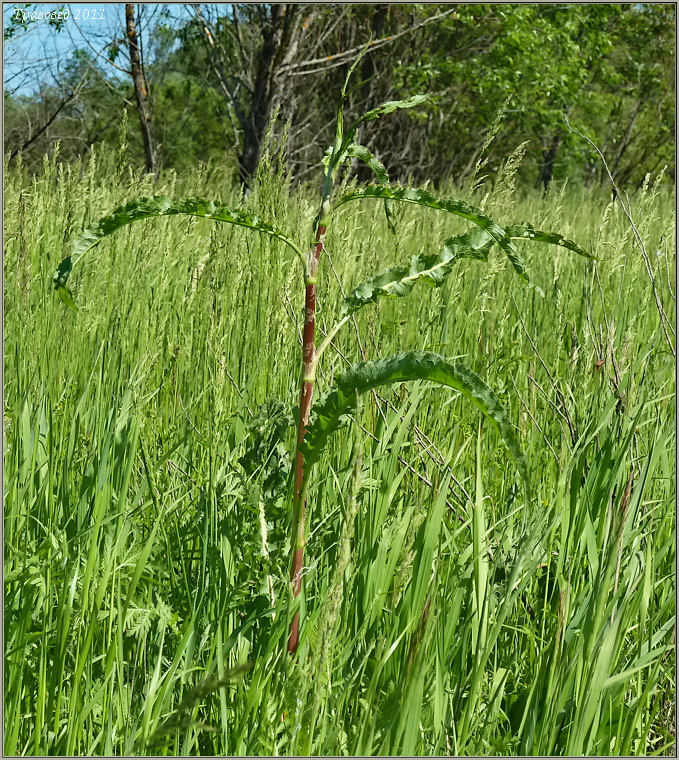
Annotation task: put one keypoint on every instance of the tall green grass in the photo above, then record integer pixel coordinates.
(445, 615)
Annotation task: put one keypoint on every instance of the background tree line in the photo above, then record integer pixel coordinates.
(203, 82)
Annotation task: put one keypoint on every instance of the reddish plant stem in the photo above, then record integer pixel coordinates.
(306, 394)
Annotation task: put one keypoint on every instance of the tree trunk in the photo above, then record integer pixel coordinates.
(141, 93)
(548, 159)
(368, 71)
(265, 93)
(627, 137)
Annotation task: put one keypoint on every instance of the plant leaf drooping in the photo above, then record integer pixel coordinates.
(411, 365)
(398, 281)
(160, 205)
(452, 206)
(65, 295)
(378, 169)
(343, 141)
(361, 152)
(528, 232)
(375, 113)
(345, 147)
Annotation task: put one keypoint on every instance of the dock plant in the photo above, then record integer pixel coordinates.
(317, 422)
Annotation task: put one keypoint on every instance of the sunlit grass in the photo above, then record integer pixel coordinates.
(463, 620)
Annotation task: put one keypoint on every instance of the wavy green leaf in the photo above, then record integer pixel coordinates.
(160, 205)
(363, 154)
(412, 365)
(65, 295)
(400, 280)
(528, 232)
(389, 107)
(452, 206)
(375, 113)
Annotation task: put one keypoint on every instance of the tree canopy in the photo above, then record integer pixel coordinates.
(216, 75)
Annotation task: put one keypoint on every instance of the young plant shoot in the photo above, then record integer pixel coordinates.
(316, 424)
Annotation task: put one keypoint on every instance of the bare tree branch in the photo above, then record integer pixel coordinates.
(45, 126)
(373, 45)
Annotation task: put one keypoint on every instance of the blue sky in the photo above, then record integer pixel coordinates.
(34, 56)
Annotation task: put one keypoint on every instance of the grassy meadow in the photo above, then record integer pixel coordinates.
(147, 440)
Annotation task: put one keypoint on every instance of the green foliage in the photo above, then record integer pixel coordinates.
(180, 719)
(452, 206)
(609, 66)
(528, 232)
(431, 622)
(375, 113)
(266, 437)
(578, 652)
(598, 64)
(377, 167)
(433, 269)
(266, 459)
